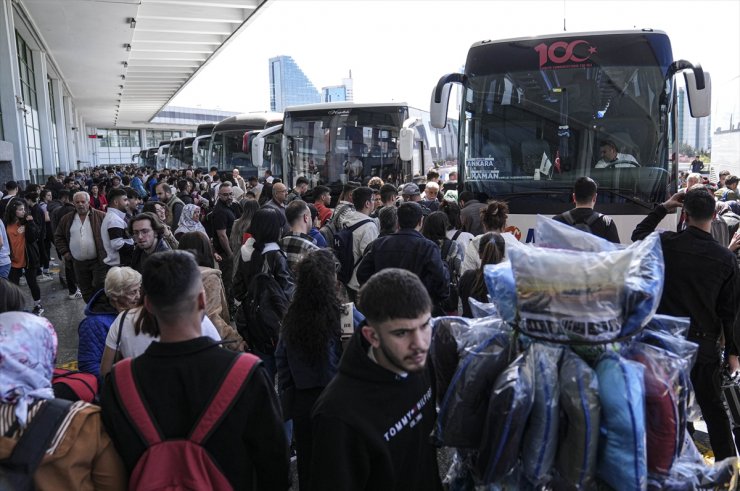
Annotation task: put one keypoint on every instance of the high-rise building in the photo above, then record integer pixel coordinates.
(695, 132)
(338, 93)
(289, 86)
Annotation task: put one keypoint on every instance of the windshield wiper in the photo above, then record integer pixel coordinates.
(632, 199)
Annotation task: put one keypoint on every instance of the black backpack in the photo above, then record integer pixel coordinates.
(584, 226)
(451, 303)
(342, 245)
(16, 471)
(264, 307)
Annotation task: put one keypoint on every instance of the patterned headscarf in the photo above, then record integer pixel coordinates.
(28, 347)
(187, 222)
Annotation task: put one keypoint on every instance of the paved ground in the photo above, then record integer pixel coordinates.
(64, 314)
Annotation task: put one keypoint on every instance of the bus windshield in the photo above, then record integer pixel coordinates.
(333, 146)
(226, 150)
(537, 114)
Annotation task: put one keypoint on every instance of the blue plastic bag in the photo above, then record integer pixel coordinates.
(622, 446)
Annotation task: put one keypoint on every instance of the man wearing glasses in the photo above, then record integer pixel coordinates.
(148, 233)
(372, 422)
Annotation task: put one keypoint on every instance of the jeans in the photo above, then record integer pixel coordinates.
(5, 271)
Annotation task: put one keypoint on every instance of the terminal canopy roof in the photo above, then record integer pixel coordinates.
(123, 60)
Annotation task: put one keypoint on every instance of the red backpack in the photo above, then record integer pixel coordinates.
(179, 464)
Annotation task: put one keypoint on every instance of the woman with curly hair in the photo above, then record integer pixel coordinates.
(309, 349)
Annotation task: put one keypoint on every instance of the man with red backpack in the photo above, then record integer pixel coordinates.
(188, 414)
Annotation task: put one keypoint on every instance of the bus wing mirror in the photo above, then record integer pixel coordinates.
(699, 90)
(441, 99)
(406, 144)
(258, 148)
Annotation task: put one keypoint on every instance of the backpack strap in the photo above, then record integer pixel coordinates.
(358, 225)
(29, 450)
(457, 234)
(568, 217)
(446, 249)
(132, 403)
(231, 386)
(595, 217)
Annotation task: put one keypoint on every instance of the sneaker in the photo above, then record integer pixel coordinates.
(75, 295)
(38, 310)
(44, 277)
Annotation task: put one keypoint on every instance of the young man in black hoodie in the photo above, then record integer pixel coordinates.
(372, 422)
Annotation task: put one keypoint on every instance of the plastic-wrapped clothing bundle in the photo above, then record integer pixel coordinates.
(443, 352)
(541, 435)
(622, 454)
(685, 351)
(661, 405)
(581, 407)
(677, 326)
(508, 411)
(481, 309)
(556, 235)
(501, 289)
(690, 473)
(463, 409)
(452, 339)
(564, 295)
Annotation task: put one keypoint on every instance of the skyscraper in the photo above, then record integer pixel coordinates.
(289, 86)
(338, 93)
(695, 132)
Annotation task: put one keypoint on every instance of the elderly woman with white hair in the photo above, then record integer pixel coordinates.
(121, 292)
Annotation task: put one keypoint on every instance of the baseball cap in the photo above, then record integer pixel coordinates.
(410, 189)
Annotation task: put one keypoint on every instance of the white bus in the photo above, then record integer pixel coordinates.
(535, 111)
(333, 143)
(226, 146)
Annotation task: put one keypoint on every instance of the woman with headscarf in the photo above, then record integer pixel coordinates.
(81, 456)
(189, 221)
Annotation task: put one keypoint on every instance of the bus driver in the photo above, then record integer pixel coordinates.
(610, 156)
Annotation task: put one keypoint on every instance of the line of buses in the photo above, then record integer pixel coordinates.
(533, 115)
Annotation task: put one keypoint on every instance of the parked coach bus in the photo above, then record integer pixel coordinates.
(536, 111)
(332, 143)
(227, 141)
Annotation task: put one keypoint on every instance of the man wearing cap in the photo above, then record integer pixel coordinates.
(411, 192)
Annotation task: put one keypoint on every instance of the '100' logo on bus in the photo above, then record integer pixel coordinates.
(561, 52)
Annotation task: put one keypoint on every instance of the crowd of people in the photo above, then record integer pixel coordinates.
(258, 322)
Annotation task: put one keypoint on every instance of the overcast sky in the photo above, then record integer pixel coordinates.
(398, 49)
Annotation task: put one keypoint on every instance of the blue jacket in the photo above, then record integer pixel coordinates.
(408, 249)
(99, 315)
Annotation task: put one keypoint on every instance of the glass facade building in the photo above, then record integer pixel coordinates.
(289, 86)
